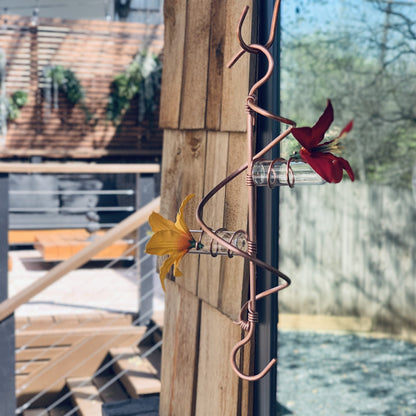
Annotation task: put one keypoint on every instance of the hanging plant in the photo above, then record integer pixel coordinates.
(142, 78)
(10, 106)
(15, 102)
(64, 80)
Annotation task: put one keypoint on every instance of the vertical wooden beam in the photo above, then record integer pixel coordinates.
(183, 174)
(235, 80)
(218, 386)
(233, 286)
(216, 65)
(215, 170)
(170, 100)
(145, 193)
(195, 77)
(180, 352)
(7, 339)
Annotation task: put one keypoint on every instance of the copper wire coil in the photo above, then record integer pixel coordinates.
(252, 316)
(251, 247)
(245, 325)
(249, 180)
(290, 177)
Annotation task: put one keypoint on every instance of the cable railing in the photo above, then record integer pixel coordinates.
(47, 195)
(87, 340)
(141, 218)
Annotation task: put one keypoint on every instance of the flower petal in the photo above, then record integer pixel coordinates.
(180, 222)
(167, 264)
(164, 269)
(310, 137)
(347, 167)
(159, 223)
(346, 129)
(323, 164)
(168, 242)
(322, 125)
(328, 166)
(304, 136)
(176, 271)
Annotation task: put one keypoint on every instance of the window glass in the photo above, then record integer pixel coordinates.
(350, 248)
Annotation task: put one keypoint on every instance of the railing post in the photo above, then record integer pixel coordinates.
(7, 340)
(145, 193)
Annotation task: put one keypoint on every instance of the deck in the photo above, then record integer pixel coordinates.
(89, 310)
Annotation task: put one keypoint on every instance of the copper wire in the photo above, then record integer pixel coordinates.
(249, 308)
(289, 173)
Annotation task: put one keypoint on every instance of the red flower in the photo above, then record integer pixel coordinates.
(320, 155)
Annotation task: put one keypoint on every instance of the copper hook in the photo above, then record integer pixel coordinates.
(250, 99)
(249, 326)
(249, 48)
(241, 344)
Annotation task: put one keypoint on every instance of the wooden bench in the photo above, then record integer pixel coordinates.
(61, 246)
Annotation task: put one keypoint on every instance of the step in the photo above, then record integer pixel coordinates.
(140, 376)
(34, 412)
(82, 389)
(144, 406)
(62, 351)
(110, 390)
(155, 357)
(61, 410)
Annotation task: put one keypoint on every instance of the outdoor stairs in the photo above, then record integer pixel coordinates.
(127, 376)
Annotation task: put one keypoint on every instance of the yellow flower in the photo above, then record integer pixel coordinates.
(170, 238)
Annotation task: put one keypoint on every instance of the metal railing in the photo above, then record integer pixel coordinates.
(126, 227)
(63, 339)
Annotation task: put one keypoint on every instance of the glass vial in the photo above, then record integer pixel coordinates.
(272, 174)
(206, 245)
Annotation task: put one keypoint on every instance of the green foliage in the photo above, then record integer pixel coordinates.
(68, 84)
(15, 102)
(369, 74)
(142, 78)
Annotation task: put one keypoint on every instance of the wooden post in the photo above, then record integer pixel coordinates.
(145, 193)
(7, 344)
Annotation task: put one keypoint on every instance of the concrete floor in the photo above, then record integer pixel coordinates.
(88, 289)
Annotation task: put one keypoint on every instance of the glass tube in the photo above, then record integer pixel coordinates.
(206, 245)
(299, 173)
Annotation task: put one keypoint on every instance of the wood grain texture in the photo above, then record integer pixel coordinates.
(84, 351)
(196, 54)
(82, 389)
(215, 171)
(234, 271)
(50, 167)
(216, 66)
(183, 174)
(180, 352)
(170, 100)
(218, 385)
(235, 84)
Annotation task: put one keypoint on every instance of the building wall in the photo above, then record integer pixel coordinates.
(96, 52)
(204, 120)
(144, 11)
